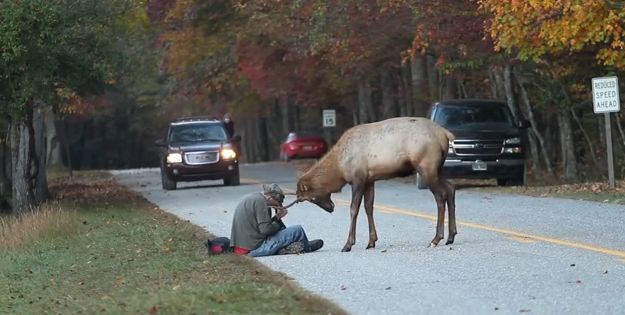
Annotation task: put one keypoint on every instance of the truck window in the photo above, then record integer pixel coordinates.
(484, 116)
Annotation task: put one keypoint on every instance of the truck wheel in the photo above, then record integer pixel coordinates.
(510, 182)
(168, 183)
(232, 180)
(421, 184)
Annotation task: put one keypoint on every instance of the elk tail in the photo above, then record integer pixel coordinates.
(450, 136)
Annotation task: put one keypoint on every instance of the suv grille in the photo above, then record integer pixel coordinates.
(204, 157)
(478, 147)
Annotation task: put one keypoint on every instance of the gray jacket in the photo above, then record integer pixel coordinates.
(252, 222)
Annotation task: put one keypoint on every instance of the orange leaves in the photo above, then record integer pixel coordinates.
(73, 104)
(539, 27)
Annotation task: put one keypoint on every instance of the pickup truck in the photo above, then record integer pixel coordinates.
(489, 143)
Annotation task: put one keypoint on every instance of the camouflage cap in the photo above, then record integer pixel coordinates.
(274, 191)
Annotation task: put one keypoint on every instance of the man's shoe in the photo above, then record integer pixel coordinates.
(314, 245)
(293, 248)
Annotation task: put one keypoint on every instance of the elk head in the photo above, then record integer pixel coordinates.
(305, 192)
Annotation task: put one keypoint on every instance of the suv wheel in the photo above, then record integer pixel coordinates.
(168, 183)
(421, 184)
(232, 180)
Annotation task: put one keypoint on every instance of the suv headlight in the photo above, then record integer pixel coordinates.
(515, 140)
(228, 154)
(174, 158)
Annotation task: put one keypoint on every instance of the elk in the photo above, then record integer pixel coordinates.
(366, 153)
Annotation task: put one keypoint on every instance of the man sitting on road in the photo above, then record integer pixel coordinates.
(256, 233)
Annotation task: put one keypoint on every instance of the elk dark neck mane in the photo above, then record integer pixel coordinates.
(326, 174)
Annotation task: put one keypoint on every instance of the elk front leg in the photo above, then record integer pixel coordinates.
(369, 196)
(357, 192)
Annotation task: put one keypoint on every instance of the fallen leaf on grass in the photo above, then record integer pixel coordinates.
(120, 281)
(152, 310)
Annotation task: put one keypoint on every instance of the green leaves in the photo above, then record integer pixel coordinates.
(72, 44)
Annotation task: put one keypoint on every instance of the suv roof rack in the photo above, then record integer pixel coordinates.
(196, 118)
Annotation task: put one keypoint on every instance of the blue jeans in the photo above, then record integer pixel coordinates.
(283, 238)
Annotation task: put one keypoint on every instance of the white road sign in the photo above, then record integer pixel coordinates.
(605, 95)
(329, 118)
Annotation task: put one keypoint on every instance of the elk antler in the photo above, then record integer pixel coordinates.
(287, 206)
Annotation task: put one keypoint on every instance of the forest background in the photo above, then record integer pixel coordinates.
(91, 85)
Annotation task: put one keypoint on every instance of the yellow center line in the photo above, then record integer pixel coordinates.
(510, 233)
(520, 239)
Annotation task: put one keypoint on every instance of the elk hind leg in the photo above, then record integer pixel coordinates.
(451, 209)
(431, 175)
(369, 194)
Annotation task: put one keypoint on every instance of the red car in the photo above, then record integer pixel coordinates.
(299, 145)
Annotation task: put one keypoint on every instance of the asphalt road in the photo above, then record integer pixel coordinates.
(513, 254)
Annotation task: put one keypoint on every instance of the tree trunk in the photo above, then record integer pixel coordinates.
(249, 138)
(591, 147)
(388, 101)
(365, 106)
(400, 93)
(5, 172)
(450, 87)
(355, 114)
(567, 145)
(499, 85)
(493, 83)
(432, 75)
(61, 127)
(620, 128)
(53, 144)
(284, 115)
(420, 91)
(39, 132)
(507, 82)
(28, 157)
(408, 95)
(263, 142)
(294, 116)
(534, 128)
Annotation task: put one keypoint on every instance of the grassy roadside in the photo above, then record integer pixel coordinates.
(101, 249)
(591, 191)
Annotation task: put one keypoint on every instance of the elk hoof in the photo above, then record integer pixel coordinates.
(371, 246)
(432, 245)
(346, 249)
(449, 241)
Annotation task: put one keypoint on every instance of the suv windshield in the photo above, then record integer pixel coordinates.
(197, 133)
(491, 116)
